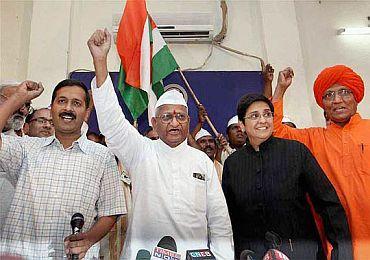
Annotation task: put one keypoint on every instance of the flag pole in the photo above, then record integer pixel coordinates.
(213, 128)
(197, 101)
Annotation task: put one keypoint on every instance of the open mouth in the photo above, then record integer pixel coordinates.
(262, 128)
(174, 131)
(67, 117)
(339, 109)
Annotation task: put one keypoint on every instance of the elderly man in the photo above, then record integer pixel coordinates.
(15, 122)
(342, 148)
(175, 189)
(39, 123)
(12, 127)
(57, 177)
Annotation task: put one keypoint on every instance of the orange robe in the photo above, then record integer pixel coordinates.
(344, 155)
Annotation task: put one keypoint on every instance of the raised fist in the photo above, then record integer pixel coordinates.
(268, 73)
(99, 44)
(29, 90)
(285, 78)
(202, 113)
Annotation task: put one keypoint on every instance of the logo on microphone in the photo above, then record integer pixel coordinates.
(165, 254)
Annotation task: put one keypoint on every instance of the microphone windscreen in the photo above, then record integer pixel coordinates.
(167, 242)
(77, 221)
(143, 254)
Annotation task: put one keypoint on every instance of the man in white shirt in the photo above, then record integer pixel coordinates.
(175, 188)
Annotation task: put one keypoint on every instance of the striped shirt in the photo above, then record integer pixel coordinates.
(53, 183)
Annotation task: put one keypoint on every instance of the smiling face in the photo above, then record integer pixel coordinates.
(258, 123)
(342, 107)
(175, 131)
(69, 110)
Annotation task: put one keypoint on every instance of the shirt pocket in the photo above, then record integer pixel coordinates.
(365, 158)
(199, 195)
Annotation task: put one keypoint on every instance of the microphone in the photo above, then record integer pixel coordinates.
(77, 222)
(143, 254)
(274, 254)
(166, 249)
(200, 254)
(247, 255)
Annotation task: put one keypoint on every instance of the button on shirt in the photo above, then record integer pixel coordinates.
(175, 191)
(53, 184)
(266, 191)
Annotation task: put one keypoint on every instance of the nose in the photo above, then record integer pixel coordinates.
(337, 98)
(47, 125)
(174, 121)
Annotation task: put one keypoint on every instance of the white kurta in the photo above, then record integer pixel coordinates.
(167, 199)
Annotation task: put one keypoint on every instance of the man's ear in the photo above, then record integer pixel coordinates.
(87, 115)
(153, 120)
(26, 128)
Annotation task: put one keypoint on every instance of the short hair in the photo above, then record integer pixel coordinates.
(248, 100)
(71, 83)
(30, 116)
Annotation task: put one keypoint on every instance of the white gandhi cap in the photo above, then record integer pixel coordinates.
(202, 133)
(233, 120)
(171, 97)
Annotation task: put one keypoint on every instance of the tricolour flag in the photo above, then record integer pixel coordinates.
(145, 59)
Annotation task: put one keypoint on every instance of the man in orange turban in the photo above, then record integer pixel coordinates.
(342, 148)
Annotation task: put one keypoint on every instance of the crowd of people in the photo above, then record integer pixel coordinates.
(266, 184)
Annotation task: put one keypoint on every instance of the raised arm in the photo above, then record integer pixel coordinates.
(268, 77)
(24, 92)
(121, 137)
(280, 130)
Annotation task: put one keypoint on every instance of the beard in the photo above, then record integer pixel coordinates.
(15, 122)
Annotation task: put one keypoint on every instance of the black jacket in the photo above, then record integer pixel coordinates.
(266, 191)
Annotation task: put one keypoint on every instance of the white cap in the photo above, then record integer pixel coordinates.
(171, 97)
(233, 120)
(202, 133)
(178, 88)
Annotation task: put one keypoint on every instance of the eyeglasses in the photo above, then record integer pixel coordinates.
(42, 120)
(166, 118)
(256, 115)
(343, 93)
(27, 105)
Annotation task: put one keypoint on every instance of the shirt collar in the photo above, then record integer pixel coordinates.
(355, 119)
(262, 146)
(165, 147)
(81, 142)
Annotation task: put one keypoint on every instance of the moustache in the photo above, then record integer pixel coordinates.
(70, 114)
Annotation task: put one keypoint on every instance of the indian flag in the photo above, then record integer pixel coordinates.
(145, 59)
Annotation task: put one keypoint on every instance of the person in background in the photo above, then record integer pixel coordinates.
(208, 145)
(15, 122)
(39, 123)
(265, 185)
(236, 137)
(12, 127)
(151, 133)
